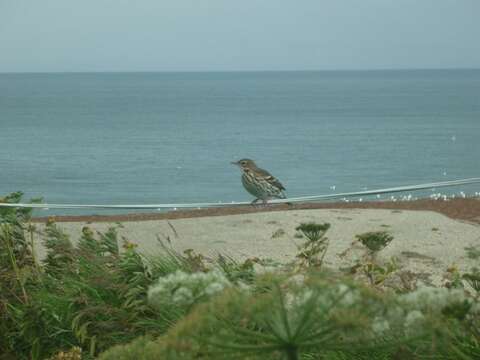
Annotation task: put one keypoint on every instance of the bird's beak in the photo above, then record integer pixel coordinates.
(234, 163)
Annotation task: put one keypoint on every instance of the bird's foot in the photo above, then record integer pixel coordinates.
(254, 202)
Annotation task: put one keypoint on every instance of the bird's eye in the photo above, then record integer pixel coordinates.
(243, 163)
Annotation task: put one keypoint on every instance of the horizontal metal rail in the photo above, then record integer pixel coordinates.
(300, 199)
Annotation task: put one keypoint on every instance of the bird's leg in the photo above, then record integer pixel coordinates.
(254, 202)
(264, 202)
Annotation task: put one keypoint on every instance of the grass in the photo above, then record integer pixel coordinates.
(92, 295)
(102, 298)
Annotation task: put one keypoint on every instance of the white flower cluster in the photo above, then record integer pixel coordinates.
(380, 325)
(413, 308)
(339, 295)
(348, 296)
(433, 299)
(184, 289)
(296, 300)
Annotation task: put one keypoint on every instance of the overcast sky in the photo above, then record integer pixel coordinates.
(200, 35)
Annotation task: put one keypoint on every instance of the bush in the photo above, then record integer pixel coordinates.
(314, 318)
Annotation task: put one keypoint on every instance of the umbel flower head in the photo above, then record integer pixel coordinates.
(183, 289)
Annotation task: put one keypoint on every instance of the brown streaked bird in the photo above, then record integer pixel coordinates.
(259, 182)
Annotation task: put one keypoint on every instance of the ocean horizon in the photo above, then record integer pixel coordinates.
(422, 69)
(163, 137)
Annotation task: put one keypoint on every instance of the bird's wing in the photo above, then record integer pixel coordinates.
(265, 175)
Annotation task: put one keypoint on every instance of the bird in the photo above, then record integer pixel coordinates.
(259, 182)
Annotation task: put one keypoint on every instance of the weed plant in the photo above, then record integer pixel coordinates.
(375, 241)
(312, 252)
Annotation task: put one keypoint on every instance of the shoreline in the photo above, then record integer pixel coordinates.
(467, 209)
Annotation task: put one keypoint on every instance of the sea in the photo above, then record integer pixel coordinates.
(143, 138)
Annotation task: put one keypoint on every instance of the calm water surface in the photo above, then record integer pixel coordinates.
(170, 137)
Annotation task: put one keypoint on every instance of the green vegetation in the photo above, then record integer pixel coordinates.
(313, 251)
(375, 241)
(102, 298)
(473, 252)
(92, 295)
(375, 272)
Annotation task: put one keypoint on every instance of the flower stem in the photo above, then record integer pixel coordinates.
(292, 352)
